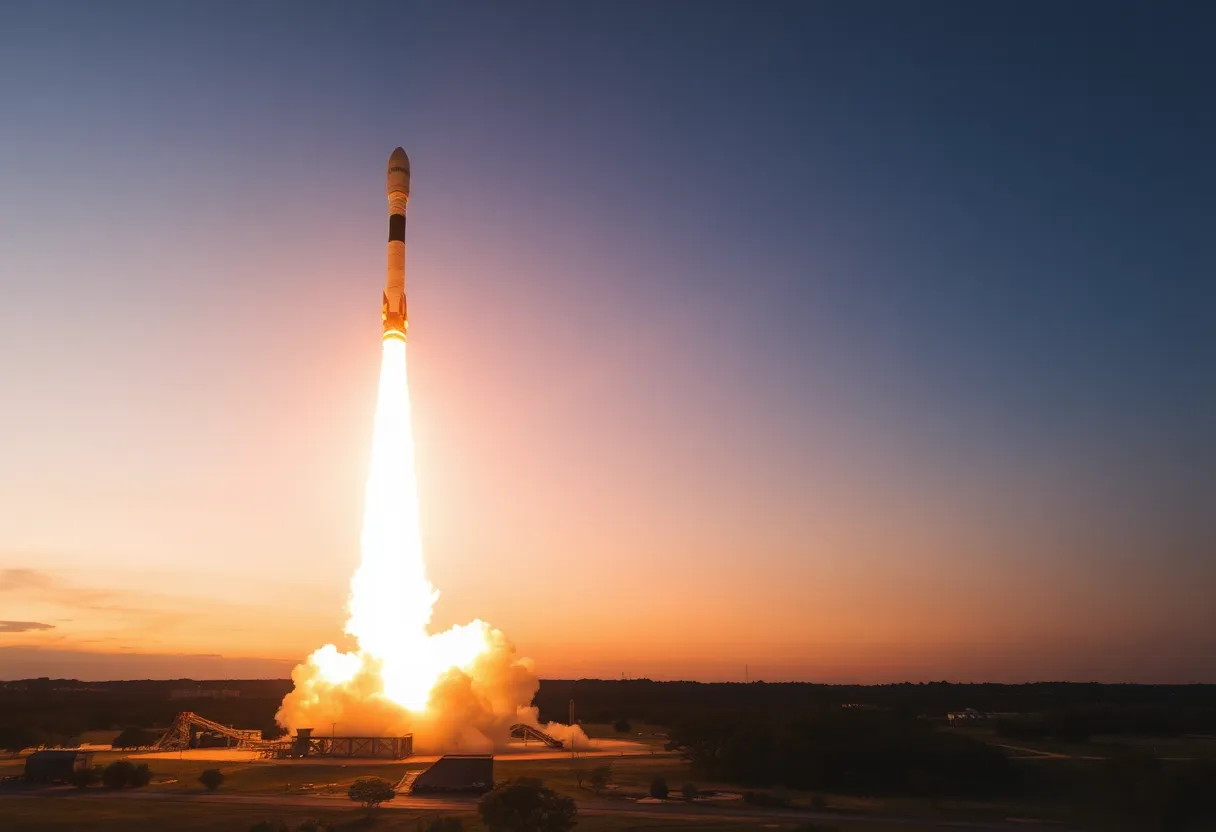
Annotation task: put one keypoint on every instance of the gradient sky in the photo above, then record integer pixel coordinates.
(848, 341)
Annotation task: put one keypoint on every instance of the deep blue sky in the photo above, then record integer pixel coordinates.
(881, 298)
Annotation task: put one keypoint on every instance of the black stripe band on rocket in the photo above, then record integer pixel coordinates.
(396, 228)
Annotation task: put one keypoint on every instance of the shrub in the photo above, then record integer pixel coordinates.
(525, 805)
(211, 779)
(690, 791)
(622, 726)
(818, 801)
(140, 776)
(658, 788)
(118, 774)
(599, 778)
(371, 791)
(83, 778)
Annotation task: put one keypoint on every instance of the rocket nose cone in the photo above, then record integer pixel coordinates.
(399, 172)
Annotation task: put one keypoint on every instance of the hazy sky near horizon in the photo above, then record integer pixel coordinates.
(851, 341)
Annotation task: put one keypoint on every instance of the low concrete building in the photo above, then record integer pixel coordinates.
(469, 773)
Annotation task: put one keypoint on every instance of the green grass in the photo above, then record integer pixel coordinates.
(631, 776)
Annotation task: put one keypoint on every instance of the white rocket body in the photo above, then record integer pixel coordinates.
(395, 314)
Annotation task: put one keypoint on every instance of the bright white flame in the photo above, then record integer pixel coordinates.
(390, 596)
(461, 688)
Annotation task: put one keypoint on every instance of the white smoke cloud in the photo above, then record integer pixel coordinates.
(470, 709)
(459, 690)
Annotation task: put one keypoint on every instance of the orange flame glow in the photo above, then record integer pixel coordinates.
(461, 688)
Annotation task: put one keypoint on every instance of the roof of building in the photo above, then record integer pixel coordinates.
(458, 772)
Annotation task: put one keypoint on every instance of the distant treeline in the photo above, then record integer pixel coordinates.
(841, 751)
(1159, 710)
(55, 711)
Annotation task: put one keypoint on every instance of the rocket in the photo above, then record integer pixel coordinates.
(396, 318)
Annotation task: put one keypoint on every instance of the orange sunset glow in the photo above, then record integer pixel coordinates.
(735, 354)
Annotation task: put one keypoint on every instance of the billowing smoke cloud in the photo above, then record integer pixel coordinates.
(459, 690)
(471, 708)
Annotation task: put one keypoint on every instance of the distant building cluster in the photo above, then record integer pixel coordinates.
(204, 693)
(969, 716)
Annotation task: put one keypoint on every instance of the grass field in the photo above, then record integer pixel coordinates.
(1191, 747)
(186, 807)
(71, 813)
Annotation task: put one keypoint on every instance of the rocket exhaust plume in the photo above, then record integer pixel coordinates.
(459, 689)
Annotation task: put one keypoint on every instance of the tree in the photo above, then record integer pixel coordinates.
(690, 791)
(658, 788)
(122, 774)
(622, 726)
(525, 805)
(600, 777)
(371, 791)
(134, 738)
(118, 774)
(211, 779)
(15, 738)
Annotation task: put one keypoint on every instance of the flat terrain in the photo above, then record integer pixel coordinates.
(1102, 747)
(254, 791)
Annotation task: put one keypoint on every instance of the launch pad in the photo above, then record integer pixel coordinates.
(381, 748)
(191, 731)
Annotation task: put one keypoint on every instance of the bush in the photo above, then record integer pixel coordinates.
(123, 774)
(211, 779)
(525, 805)
(599, 778)
(371, 791)
(658, 788)
(622, 726)
(445, 824)
(83, 778)
(690, 791)
(140, 777)
(118, 774)
(818, 801)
